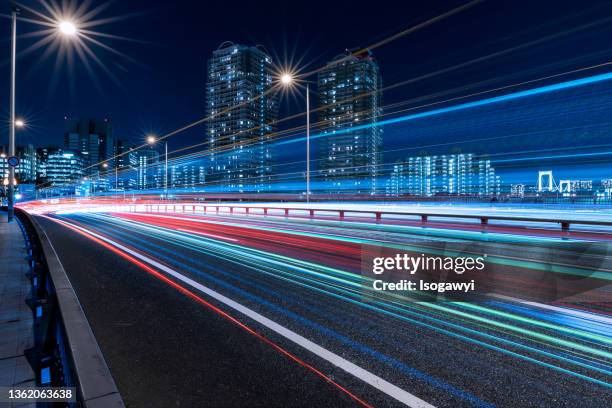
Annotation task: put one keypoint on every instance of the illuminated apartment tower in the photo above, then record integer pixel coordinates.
(241, 111)
(349, 97)
(452, 174)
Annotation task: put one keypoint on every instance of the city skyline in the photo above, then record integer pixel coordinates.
(308, 50)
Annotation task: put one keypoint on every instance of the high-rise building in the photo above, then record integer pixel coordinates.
(453, 174)
(63, 167)
(25, 172)
(126, 163)
(241, 109)
(92, 139)
(149, 171)
(349, 107)
(396, 182)
(42, 157)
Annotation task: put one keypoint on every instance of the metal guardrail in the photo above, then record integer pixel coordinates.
(65, 353)
(423, 217)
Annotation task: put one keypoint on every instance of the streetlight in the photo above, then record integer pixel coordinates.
(66, 28)
(152, 140)
(287, 79)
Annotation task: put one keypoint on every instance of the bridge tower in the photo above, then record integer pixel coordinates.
(565, 186)
(542, 175)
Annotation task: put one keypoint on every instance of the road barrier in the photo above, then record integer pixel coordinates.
(66, 353)
(423, 217)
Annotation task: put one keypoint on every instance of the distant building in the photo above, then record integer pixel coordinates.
(582, 186)
(606, 185)
(444, 175)
(241, 112)
(63, 167)
(187, 175)
(92, 139)
(349, 107)
(126, 163)
(149, 171)
(572, 188)
(25, 172)
(42, 158)
(396, 182)
(517, 190)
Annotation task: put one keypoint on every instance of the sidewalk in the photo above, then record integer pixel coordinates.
(16, 321)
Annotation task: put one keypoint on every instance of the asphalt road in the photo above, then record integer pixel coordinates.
(167, 348)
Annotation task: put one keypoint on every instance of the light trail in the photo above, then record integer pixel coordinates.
(497, 259)
(560, 342)
(408, 370)
(207, 235)
(475, 317)
(364, 375)
(469, 105)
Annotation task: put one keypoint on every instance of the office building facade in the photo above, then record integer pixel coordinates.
(25, 172)
(149, 171)
(187, 176)
(63, 167)
(126, 163)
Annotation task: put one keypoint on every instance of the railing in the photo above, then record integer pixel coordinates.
(65, 353)
(423, 217)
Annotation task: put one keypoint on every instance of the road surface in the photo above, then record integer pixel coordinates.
(240, 310)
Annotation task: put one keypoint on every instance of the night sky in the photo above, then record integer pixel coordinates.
(161, 86)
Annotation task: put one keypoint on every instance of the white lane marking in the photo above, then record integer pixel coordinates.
(208, 235)
(372, 379)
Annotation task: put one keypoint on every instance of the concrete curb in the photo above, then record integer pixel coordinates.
(95, 383)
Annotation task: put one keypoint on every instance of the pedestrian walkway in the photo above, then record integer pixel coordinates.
(16, 320)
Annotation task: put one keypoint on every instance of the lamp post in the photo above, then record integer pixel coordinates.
(11, 175)
(67, 28)
(152, 140)
(288, 80)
